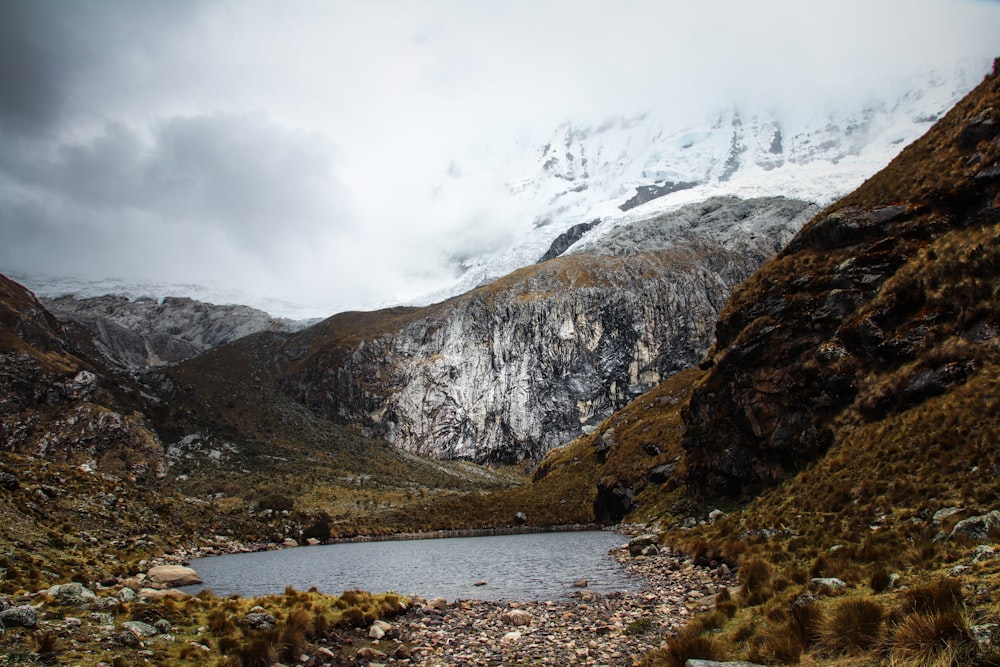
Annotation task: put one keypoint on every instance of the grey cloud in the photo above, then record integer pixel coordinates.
(34, 53)
(237, 179)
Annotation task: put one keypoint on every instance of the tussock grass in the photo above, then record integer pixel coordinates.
(686, 646)
(932, 639)
(853, 625)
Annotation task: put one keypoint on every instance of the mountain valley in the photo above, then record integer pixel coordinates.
(805, 396)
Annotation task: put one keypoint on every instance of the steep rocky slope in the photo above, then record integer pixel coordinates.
(884, 301)
(56, 403)
(145, 332)
(528, 362)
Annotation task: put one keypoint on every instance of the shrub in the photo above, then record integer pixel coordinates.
(685, 647)
(219, 623)
(880, 580)
(854, 625)
(258, 653)
(940, 596)
(938, 639)
(755, 575)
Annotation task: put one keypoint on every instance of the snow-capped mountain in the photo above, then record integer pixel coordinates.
(630, 168)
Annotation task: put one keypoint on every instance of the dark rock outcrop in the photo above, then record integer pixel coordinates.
(886, 299)
(567, 239)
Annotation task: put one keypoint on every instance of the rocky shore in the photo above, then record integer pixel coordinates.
(615, 629)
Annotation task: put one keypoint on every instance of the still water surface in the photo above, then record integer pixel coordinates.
(539, 566)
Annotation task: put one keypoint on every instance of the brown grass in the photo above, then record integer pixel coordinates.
(853, 625)
(684, 647)
(936, 639)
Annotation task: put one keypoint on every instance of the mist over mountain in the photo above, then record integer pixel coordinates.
(518, 199)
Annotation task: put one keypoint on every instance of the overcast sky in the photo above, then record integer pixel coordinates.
(291, 149)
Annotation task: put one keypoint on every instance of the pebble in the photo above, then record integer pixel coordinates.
(588, 630)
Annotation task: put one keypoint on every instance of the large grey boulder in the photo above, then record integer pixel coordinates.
(23, 616)
(977, 528)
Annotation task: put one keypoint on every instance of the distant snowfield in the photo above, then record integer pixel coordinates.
(582, 173)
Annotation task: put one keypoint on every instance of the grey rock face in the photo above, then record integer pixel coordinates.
(512, 369)
(23, 616)
(148, 333)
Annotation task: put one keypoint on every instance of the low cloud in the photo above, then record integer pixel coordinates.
(303, 149)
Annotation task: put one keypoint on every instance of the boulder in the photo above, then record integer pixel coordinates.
(370, 654)
(23, 616)
(436, 603)
(639, 544)
(160, 594)
(977, 528)
(944, 513)
(516, 617)
(9, 482)
(173, 575)
(713, 663)
(260, 620)
(831, 583)
(140, 629)
(75, 594)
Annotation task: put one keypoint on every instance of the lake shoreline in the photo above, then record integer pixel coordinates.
(223, 545)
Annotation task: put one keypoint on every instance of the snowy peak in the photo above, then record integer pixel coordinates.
(632, 167)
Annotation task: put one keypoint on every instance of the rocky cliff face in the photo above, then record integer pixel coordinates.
(59, 404)
(514, 368)
(146, 332)
(886, 300)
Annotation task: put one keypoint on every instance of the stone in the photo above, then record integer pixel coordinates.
(125, 638)
(984, 552)
(289, 542)
(162, 593)
(126, 595)
(512, 636)
(580, 583)
(140, 629)
(312, 542)
(173, 575)
(977, 528)
(260, 620)
(715, 515)
(74, 594)
(943, 513)
(368, 653)
(24, 616)
(832, 583)
(375, 632)
(437, 603)
(516, 617)
(638, 543)
(9, 482)
(980, 127)
(713, 663)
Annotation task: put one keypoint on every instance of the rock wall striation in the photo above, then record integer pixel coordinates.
(514, 368)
